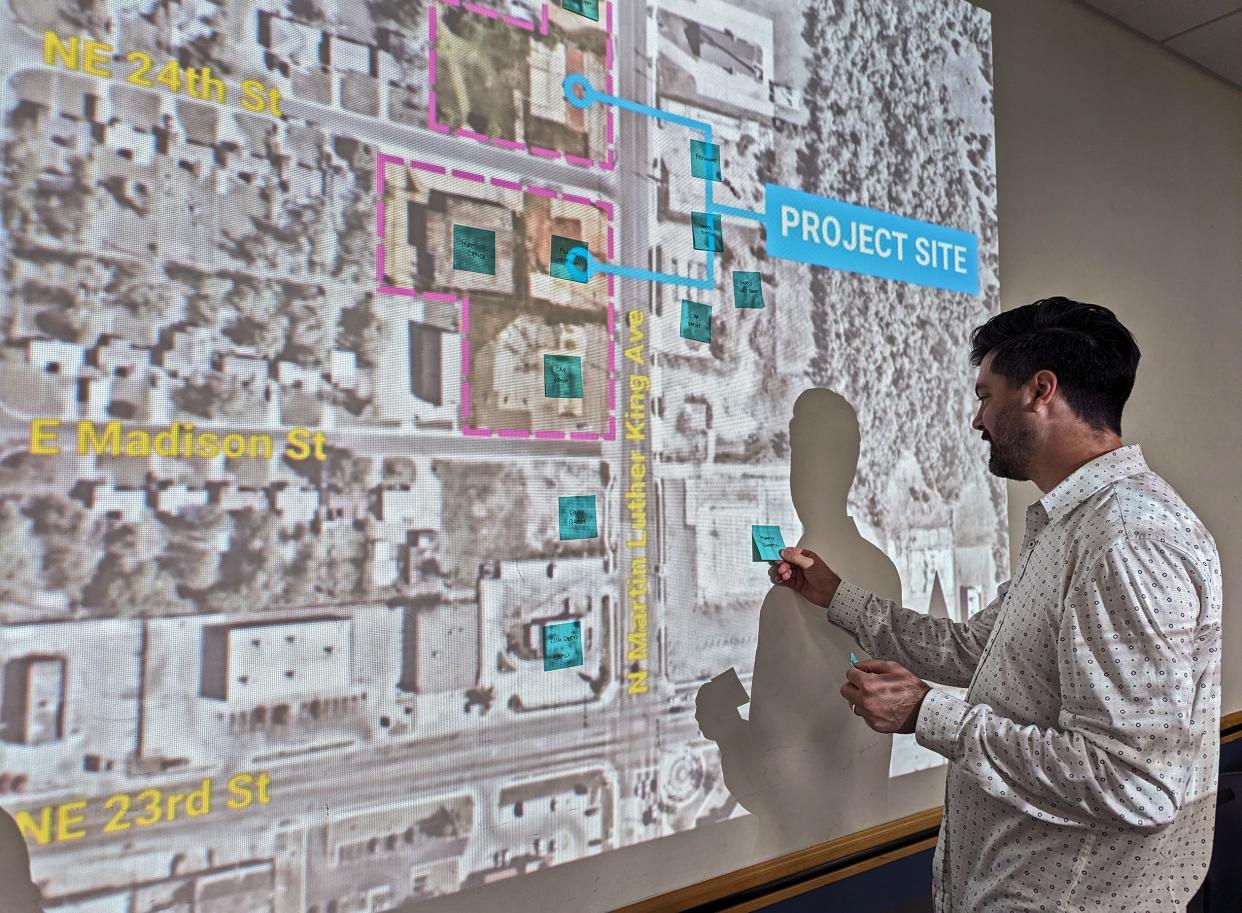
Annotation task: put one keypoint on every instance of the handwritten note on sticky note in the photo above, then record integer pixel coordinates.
(766, 543)
(577, 516)
(747, 290)
(707, 232)
(705, 160)
(474, 249)
(563, 265)
(562, 645)
(586, 8)
(696, 321)
(562, 376)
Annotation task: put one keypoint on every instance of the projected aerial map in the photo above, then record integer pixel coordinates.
(389, 390)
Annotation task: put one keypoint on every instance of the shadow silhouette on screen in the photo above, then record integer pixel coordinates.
(18, 894)
(803, 764)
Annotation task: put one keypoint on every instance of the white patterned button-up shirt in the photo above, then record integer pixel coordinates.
(1084, 759)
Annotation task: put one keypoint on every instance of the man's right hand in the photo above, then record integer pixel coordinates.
(806, 574)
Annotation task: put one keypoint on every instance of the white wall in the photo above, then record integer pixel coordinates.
(1119, 171)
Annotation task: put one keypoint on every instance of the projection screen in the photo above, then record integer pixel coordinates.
(390, 389)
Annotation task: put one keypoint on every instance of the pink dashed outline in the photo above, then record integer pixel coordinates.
(604, 206)
(608, 163)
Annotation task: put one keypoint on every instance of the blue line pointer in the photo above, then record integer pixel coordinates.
(589, 96)
(721, 209)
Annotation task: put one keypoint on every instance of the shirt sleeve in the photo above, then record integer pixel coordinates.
(936, 649)
(1125, 742)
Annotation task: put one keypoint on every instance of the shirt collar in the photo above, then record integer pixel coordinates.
(1090, 478)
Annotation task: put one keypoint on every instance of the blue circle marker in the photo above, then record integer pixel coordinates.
(589, 95)
(571, 263)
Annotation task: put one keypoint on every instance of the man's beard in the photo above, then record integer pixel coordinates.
(1010, 453)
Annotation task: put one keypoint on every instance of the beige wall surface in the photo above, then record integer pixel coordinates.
(1119, 173)
(1120, 183)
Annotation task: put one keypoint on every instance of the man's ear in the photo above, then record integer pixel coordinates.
(1046, 384)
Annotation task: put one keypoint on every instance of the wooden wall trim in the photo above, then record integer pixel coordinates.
(875, 862)
(1231, 727)
(755, 876)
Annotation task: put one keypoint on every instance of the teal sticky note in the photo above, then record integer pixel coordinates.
(561, 265)
(578, 520)
(587, 8)
(707, 232)
(766, 543)
(696, 321)
(562, 645)
(474, 249)
(705, 160)
(562, 376)
(747, 290)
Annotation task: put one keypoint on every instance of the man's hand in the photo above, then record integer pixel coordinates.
(806, 574)
(887, 695)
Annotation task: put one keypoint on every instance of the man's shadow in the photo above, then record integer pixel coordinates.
(18, 894)
(804, 765)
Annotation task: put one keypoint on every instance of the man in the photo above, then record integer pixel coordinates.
(1084, 758)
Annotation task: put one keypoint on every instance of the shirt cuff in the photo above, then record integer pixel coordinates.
(940, 723)
(847, 606)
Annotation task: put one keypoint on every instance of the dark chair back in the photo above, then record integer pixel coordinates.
(1222, 889)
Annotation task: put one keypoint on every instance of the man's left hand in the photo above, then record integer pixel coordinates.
(885, 694)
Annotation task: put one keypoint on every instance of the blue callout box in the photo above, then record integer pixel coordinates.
(807, 228)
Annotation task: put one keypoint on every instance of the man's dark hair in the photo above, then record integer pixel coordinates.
(1092, 354)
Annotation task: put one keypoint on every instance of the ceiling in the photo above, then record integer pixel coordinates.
(1205, 32)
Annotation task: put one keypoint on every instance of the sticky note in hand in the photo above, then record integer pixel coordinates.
(747, 290)
(562, 645)
(562, 376)
(696, 321)
(577, 516)
(731, 687)
(766, 543)
(853, 659)
(705, 160)
(474, 249)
